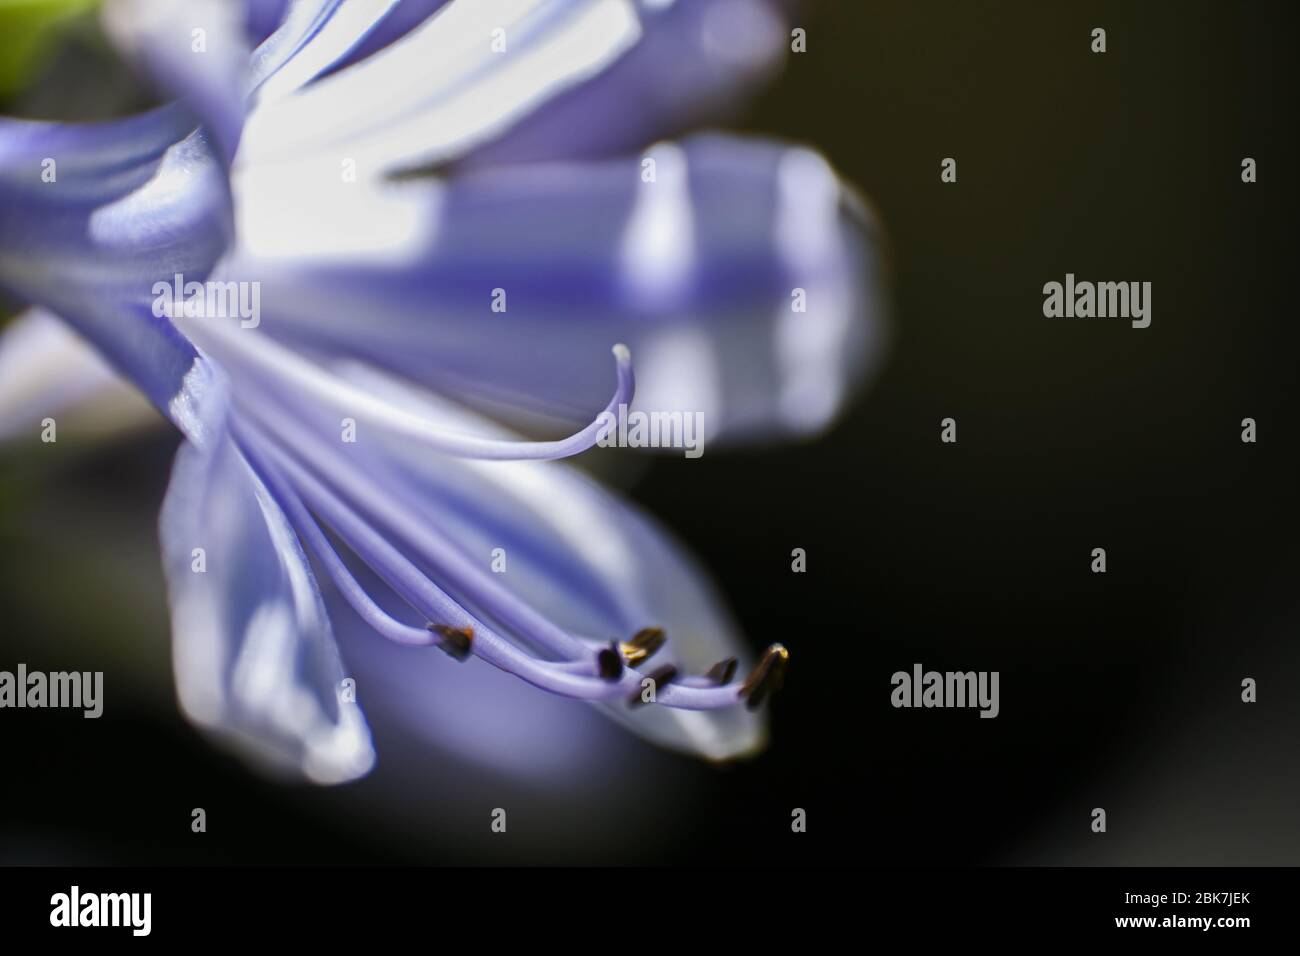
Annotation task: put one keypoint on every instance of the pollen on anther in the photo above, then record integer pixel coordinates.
(643, 644)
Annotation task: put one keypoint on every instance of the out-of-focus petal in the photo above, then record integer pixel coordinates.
(201, 51)
(745, 279)
(441, 89)
(197, 50)
(513, 80)
(262, 17)
(95, 216)
(47, 370)
(693, 63)
(254, 655)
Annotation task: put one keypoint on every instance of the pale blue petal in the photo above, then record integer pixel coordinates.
(702, 272)
(441, 89)
(254, 655)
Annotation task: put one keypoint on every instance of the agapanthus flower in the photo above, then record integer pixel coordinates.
(382, 174)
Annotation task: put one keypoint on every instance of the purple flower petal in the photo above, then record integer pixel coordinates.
(262, 17)
(94, 215)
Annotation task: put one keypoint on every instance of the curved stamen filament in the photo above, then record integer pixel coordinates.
(352, 591)
(259, 352)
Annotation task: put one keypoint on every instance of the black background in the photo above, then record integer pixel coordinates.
(1118, 690)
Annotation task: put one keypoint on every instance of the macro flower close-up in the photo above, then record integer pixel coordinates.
(358, 253)
(556, 441)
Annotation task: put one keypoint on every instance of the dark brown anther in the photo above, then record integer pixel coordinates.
(766, 678)
(722, 672)
(456, 641)
(661, 677)
(643, 645)
(609, 662)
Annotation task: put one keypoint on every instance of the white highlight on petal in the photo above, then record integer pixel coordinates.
(46, 369)
(186, 407)
(262, 679)
(806, 233)
(176, 184)
(265, 657)
(807, 209)
(748, 35)
(658, 246)
(279, 213)
(714, 740)
(262, 682)
(440, 90)
(678, 370)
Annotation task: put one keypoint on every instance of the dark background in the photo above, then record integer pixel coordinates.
(1119, 690)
